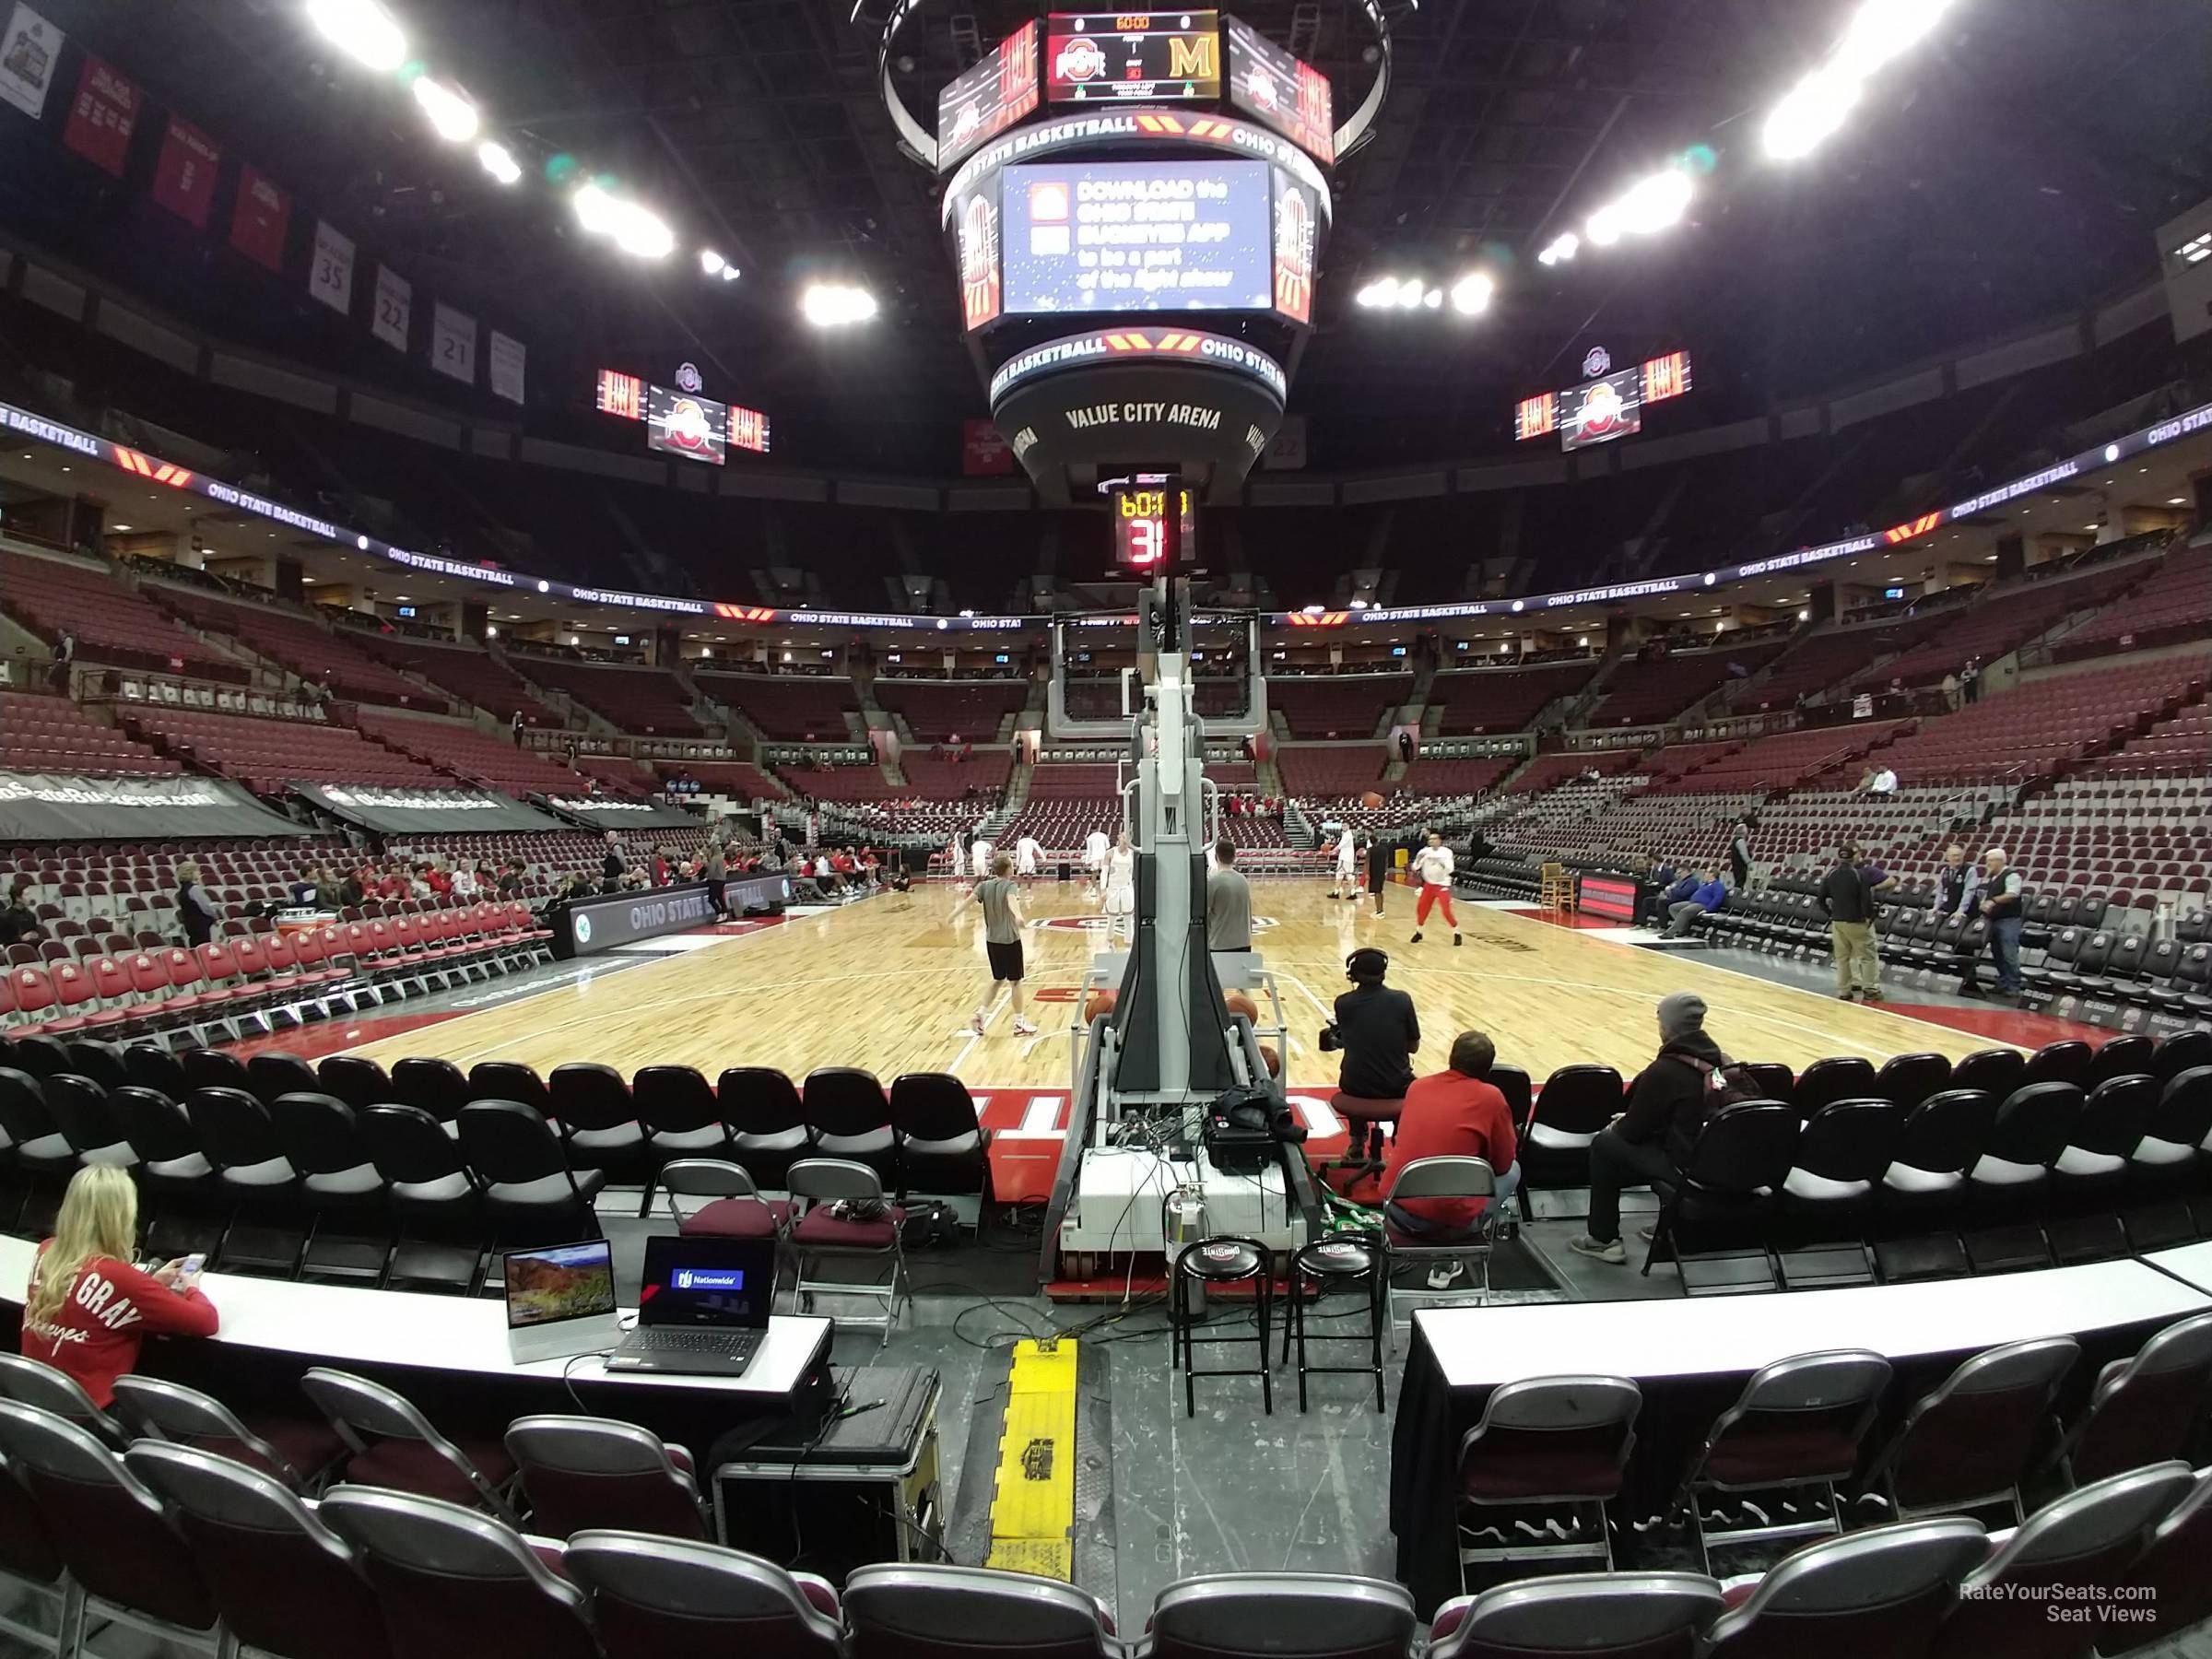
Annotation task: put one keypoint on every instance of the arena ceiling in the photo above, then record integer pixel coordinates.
(2012, 165)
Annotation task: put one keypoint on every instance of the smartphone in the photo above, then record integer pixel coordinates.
(190, 1266)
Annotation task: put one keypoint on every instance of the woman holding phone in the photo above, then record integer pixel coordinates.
(87, 1307)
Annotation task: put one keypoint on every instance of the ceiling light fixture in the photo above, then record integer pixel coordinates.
(362, 29)
(1560, 249)
(1471, 294)
(452, 116)
(499, 161)
(836, 304)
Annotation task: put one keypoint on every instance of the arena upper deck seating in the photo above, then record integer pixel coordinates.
(827, 782)
(265, 754)
(647, 700)
(1783, 760)
(980, 774)
(2034, 730)
(1813, 663)
(1640, 693)
(466, 671)
(1484, 701)
(1337, 771)
(795, 706)
(2171, 606)
(1992, 625)
(52, 735)
(111, 624)
(1427, 775)
(1546, 772)
(941, 711)
(1336, 705)
(738, 779)
(298, 642)
(468, 753)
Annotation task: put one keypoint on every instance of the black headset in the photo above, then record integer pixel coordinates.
(1368, 956)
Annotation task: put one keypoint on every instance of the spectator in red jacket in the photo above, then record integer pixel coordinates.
(87, 1307)
(1452, 1113)
(441, 882)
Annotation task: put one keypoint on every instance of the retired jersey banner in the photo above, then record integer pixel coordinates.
(453, 342)
(57, 806)
(330, 272)
(507, 362)
(28, 52)
(261, 217)
(185, 177)
(985, 452)
(395, 308)
(103, 118)
(404, 810)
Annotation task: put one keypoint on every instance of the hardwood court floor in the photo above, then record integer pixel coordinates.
(890, 983)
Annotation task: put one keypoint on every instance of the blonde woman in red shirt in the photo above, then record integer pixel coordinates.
(87, 1307)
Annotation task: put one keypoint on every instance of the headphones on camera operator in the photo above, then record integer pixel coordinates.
(1365, 966)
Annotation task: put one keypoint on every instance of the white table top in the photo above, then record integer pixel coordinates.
(343, 1326)
(2192, 1263)
(1478, 1348)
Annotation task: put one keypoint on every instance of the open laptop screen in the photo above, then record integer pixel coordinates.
(558, 1282)
(719, 1282)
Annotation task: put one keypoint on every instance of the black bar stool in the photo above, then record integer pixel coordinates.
(1346, 1260)
(1226, 1260)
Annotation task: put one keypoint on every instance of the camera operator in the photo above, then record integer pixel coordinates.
(1376, 1029)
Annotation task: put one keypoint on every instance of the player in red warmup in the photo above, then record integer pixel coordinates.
(1433, 865)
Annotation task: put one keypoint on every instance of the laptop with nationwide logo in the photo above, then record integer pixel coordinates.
(702, 1307)
(560, 1301)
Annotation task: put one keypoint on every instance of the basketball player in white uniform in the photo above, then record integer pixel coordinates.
(1348, 866)
(1027, 857)
(1121, 888)
(956, 856)
(979, 857)
(1094, 855)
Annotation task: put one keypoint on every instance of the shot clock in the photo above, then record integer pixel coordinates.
(1152, 520)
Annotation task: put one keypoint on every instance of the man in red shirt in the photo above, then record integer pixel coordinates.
(1452, 1113)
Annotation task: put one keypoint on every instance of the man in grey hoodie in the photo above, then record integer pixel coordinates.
(1668, 1105)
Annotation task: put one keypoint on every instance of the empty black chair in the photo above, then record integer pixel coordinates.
(183, 1193)
(2185, 1051)
(273, 1075)
(1597, 1614)
(436, 1201)
(941, 1143)
(532, 1194)
(234, 1131)
(509, 1080)
(2129, 1055)
(35, 1143)
(654, 1595)
(2143, 1408)
(598, 1122)
(767, 1120)
(2094, 1167)
(2066, 1062)
(80, 1111)
(680, 1115)
(212, 1068)
(1840, 1078)
(102, 1061)
(1576, 1102)
(1996, 1071)
(359, 1082)
(339, 1184)
(1844, 1150)
(156, 1068)
(1911, 1078)
(1775, 1080)
(1726, 1193)
(437, 1087)
(849, 1117)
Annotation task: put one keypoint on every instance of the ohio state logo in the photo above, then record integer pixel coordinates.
(1079, 60)
(1101, 923)
(1602, 409)
(688, 428)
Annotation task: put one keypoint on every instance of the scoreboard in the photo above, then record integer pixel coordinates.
(1146, 58)
(682, 422)
(1280, 90)
(984, 100)
(1600, 410)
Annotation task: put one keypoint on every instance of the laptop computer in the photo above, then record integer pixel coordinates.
(560, 1301)
(702, 1307)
